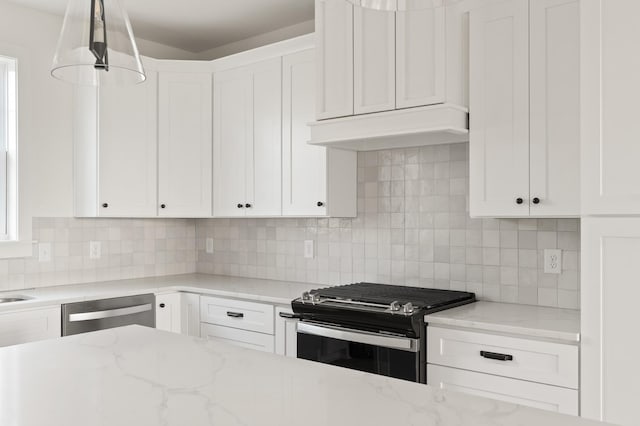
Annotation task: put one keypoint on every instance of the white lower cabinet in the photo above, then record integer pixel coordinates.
(238, 322)
(179, 313)
(30, 325)
(286, 333)
(524, 371)
(234, 336)
(521, 392)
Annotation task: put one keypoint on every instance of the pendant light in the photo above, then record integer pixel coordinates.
(96, 46)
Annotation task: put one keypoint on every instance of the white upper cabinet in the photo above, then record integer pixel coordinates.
(524, 106)
(499, 109)
(248, 140)
(316, 181)
(184, 119)
(610, 93)
(555, 107)
(115, 144)
(334, 55)
(420, 57)
(374, 37)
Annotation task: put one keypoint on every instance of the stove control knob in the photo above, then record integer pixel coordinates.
(408, 308)
(315, 298)
(395, 306)
(306, 297)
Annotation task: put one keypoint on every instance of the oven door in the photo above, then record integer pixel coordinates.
(387, 355)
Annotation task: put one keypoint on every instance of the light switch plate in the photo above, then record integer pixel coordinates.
(95, 249)
(552, 261)
(308, 249)
(209, 245)
(44, 252)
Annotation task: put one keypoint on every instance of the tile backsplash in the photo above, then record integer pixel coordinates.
(412, 228)
(130, 248)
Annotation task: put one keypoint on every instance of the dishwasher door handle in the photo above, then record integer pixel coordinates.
(110, 313)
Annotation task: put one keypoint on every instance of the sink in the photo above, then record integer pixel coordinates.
(13, 299)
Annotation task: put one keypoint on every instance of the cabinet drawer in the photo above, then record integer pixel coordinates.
(237, 313)
(543, 362)
(545, 397)
(242, 338)
(30, 326)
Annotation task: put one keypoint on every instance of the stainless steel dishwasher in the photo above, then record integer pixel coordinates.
(82, 317)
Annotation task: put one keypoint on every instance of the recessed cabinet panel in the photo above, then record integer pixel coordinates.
(555, 107)
(233, 132)
(499, 108)
(304, 166)
(420, 57)
(610, 93)
(374, 60)
(30, 326)
(264, 171)
(127, 149)
(334, 54)
(184, 114)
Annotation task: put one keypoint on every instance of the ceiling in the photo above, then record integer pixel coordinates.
(199, 25)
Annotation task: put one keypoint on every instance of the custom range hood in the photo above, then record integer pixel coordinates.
(401, 128)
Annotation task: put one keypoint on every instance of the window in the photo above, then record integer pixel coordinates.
(8, 148)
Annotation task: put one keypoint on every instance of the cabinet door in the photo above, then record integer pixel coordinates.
(168, 312)
(286, 333)
(190, 314)
(499, 108)
(264, 153)
(610, 348)
(30, 326)
(609, 97)
(234, 336)
(304, 166)
(555, 107)
(531, 394)
(185, 144)
(334, 54)
(374, 64)
(420, 57)
(127, 149)
(233, 133)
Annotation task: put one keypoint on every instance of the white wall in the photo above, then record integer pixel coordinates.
(46, 149)
(259, 40)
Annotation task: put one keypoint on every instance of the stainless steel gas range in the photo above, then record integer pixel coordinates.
(370, 327)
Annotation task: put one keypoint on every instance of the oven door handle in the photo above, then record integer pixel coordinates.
(375, 339)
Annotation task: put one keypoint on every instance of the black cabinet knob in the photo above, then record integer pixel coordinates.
(105, 205)
(163, 206)
(248, 206)
(162, 305)
(320, 204)
(240, 206)
(536, 200)
(519, 201)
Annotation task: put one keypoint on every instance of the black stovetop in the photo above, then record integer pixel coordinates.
(424, 298)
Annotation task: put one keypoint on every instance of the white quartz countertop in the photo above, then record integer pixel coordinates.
(145, 377)
(276, 292)
(526, 320)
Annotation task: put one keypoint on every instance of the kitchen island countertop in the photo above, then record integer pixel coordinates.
(144, 377)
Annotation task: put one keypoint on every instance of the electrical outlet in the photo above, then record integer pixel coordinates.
(308, 249)
(95, 249)
(209, 244)
(552, 261)
(44, 252)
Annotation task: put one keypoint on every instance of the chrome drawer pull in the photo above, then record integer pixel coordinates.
(496, 356)
(110, 313)
(235, 314)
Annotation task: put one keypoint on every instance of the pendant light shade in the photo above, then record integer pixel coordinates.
(96, 46)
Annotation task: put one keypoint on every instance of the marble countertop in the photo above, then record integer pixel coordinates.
(526, 320)
(145, 377)
(276, 292)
